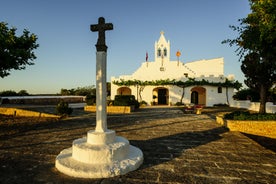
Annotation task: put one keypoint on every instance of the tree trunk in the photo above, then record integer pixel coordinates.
(182, 96)
(227, 98)
(263, 93)
(140, 92)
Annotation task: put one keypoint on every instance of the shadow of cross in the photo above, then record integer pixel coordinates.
(101, 27)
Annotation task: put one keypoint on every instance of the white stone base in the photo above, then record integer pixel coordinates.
(100, 155)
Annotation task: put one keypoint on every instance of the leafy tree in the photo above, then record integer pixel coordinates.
(23, 93)
(82, 91)
(13, 93)
(8, 93)
(15, 51)
(64, 92)
(257, 47)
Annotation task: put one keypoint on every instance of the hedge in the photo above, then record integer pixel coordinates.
(245, 115)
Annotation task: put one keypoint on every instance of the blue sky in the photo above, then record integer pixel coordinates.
(66, 57)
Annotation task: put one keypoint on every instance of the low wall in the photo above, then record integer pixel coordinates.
(41, 100)
(111, 109)
(253, 106)
(26, 113)
(262, 128)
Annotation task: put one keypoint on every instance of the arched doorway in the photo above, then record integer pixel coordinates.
(198, 95)
(194, 97)
(123, 91)
(160, 96)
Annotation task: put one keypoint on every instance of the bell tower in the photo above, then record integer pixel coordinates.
(162, 49)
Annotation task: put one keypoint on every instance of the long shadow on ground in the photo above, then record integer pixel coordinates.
(163, 149)
(268, 143)
(33, 161)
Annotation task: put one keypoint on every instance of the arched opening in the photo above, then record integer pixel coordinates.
(198, 95)
(158, 52)
(165, 52)
(194, 97)
(219, 89)
(123, 91)
(160, 96)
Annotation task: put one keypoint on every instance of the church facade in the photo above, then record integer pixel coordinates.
(162, 68)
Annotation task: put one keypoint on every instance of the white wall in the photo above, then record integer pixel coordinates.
(254, 106)
(175, 92)
(208, 67)
(213, 97)
(163, 68)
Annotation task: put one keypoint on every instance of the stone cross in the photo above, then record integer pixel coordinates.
(101, 27)
(101, 124)
(101, 154)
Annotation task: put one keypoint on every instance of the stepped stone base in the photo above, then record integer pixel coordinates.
(100, 155)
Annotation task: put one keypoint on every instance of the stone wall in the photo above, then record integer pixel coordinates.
(26, 113)
(262, 128)
(40, 100)
(111, 109)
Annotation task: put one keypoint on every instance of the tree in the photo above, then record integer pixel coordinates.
(15, 51)
(23, 92)
(64, 92)
(8, 93)
(82, 91)
(257, 47)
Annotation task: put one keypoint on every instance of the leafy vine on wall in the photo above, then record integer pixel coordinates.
(190, 82)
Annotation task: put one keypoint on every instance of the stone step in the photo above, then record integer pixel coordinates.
(68, 165)
(102, 153)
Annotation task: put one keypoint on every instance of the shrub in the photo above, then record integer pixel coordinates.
(245, 115)
(143, 103)
(125, 100)
(221, 105)
(110, 102)
(63, 108)
(5, 101)
(90, 99)
(247, 94)
(179, 103)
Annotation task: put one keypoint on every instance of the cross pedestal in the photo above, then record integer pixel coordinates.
(101, 154)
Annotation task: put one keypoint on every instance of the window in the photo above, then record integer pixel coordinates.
(159, 52)
(219, 89)
(165, 52)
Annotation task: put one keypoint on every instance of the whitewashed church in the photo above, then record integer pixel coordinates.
(163, 68)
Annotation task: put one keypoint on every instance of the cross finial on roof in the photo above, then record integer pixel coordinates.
(162, 32)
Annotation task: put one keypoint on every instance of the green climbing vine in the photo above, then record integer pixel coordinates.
(190, 82)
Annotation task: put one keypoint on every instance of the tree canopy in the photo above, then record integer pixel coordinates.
(15, 51)
(82, 91)
(257, 47)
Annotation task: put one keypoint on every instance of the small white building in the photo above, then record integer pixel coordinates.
(162, 68)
